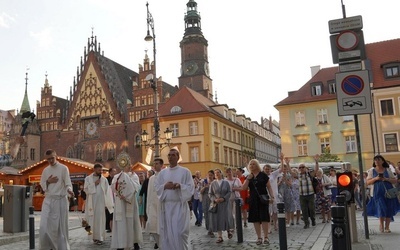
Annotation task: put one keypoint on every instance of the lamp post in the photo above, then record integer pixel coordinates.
(152, 37)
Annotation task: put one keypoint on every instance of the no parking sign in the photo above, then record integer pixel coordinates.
(353, 93)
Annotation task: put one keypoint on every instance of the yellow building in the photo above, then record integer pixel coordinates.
(310, 123)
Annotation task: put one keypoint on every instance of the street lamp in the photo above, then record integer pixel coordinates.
(146, 141)
(153, 79)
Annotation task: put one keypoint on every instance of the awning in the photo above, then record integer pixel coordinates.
(77, 176)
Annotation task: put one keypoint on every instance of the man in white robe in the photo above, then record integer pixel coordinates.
(175, 188)
(122, 228)
(137, 228)
(97, 188)
(153, 204)
(56, 183)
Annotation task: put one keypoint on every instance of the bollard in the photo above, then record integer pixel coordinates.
(339, 229)
(341, 202)
(238, 216)
(282, 226)
(31, 228)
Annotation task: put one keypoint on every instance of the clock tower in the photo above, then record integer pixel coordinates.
(195, 72)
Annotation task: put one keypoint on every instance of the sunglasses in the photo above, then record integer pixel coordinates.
(301, 167)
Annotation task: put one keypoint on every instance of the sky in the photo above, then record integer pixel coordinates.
(258, 50)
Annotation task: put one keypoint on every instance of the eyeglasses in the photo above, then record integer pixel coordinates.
(301, 167)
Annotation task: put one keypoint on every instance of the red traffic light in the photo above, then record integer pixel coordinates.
(344, 180)
(345, 185)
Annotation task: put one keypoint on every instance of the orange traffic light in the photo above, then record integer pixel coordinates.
(345, 185)
(344, 180)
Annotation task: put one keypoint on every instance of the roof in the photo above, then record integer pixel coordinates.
(381, 53)
(304, 95)
(378, 54)
(189, 101)
(65, 161)
(9, 171)
(119, 80)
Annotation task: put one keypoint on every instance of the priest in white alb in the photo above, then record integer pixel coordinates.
(56, 183)
(175, 188)
(153, 204)
(98, 198)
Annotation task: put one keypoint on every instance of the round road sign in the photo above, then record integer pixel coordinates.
(352, 85)
(347, 40)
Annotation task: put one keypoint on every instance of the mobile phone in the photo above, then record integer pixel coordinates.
(380, 175)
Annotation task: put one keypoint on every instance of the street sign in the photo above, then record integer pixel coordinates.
(350, 67)
(348, 45)
(350, 23)
(353, 93)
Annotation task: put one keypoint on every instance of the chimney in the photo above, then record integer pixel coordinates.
(314, 70)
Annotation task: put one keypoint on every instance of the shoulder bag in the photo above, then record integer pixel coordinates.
(392, 192)
(264, 198)
(213, 205)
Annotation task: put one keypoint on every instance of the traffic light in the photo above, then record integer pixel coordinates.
(345, 185)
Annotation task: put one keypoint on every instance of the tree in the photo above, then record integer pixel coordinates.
(326, 156)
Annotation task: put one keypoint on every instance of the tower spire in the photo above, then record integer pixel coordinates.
(25, 103)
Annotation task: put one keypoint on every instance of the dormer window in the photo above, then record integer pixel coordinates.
(392, 70)
(316, 89)
(332, 87)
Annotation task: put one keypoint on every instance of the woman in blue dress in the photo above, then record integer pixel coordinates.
(381, 178)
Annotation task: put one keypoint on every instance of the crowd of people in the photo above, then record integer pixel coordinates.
(162, 202)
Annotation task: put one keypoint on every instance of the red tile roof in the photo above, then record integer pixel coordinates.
(188, 100)
(378, 53)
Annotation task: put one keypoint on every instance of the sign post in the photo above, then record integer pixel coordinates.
(353, 86)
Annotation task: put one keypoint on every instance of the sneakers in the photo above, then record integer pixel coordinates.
(306, 226)
(313, 223)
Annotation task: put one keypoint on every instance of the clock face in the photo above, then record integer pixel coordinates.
(190, 68)
(91, 128)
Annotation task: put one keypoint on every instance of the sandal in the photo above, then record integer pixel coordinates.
(230, 235)
(387, 230)
(220, 240)
(381, 228)
(266, 241)
(259, 241)
(245, 224)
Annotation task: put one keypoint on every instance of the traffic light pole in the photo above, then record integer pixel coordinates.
(362, 182)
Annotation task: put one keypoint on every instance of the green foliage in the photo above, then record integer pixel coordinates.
(326, 156)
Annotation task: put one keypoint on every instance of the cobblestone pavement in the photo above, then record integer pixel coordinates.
(313, 238)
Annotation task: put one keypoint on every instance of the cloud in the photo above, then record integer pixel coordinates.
(5, 20)
(44, 37)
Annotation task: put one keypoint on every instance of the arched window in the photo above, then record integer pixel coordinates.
(110, 151)
(70, 152)
(99, 152)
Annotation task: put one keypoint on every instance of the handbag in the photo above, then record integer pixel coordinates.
(213, 208)
(391, 193)
(264, 198)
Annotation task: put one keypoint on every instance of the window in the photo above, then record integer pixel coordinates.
(175, 129)
(111, 151)
(229, 134)
(392, 71)
(32, 154)
(99, 152)
(224, 132)
(234, 136)
(300, 118)
(316, 90)
(322, 115)
(391, 144)
(351, 144)
(216, 154)
(215, 129)
(194, 154)
(302, 147)
(70, 152)
(387, 107)
(193, 128)
(325, 142)
(332, 87)
(348, 118)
